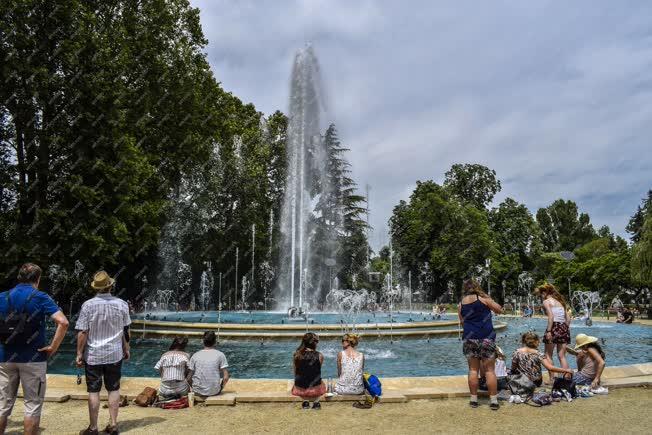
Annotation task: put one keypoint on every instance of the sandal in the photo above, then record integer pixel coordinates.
(111, 430)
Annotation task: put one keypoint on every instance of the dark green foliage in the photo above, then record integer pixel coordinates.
(472, 183)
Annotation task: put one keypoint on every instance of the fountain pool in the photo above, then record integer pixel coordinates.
(623, 344)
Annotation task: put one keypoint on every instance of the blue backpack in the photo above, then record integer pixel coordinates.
(372, 385)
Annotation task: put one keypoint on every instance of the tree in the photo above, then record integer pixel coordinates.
(562, 227)
(338, 226)
(435, 227)
(472, 183)
(517, 239)
(642, 254)
(635, 224)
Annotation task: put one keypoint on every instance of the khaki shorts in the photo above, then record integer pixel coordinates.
(32, 377)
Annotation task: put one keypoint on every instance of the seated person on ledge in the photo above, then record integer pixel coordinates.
(208, 368)
(590, 361)
(500, 369)
(173, 367)
(528, 360)
(350, 366)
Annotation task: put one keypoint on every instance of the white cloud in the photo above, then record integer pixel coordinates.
(556, 97)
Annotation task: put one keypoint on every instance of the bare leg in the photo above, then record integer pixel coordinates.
(549, 348)
(31, 425)
(114, 406)
(561, 353)
(490, 375)
(474, 368)
(93, 409)
(3, 425)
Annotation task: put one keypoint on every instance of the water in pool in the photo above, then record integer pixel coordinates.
(623, 344)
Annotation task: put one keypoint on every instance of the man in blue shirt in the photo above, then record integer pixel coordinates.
(25, 361)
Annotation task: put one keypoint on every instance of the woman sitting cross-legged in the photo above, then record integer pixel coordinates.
(307, 372)
(590, 361)
(173, 367)
(527, 360)
(350, 365)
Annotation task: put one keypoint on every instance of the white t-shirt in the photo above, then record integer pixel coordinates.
(206, 365)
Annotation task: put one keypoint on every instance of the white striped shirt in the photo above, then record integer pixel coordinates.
(172, 365)
(104, 317)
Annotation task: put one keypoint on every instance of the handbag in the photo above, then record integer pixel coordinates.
(563, 384)
(147, 397)
(372, 385)
(521, 385)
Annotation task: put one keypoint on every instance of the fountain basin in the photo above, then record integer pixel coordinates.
(250, 326)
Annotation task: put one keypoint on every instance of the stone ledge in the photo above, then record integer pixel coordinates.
(224, 399)
(51, 396)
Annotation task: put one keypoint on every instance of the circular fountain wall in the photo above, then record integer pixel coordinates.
(385, 356)
(278, 326)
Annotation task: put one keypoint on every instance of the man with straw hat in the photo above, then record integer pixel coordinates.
(102, 344)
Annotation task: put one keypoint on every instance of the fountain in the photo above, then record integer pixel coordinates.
(306, 170)
(205, 287)
(584, 302)
(525, 283)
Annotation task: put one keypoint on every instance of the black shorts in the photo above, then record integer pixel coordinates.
(110, 372)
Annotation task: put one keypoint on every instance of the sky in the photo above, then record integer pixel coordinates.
(555, 96)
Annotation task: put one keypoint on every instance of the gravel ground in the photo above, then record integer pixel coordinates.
(622, 411)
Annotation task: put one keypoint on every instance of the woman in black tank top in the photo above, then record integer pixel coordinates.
(307, 372)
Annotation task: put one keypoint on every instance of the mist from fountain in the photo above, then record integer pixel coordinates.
(584, 302)
(306, 174)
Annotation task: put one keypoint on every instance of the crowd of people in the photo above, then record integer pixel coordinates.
(487, 362)
(103, 344)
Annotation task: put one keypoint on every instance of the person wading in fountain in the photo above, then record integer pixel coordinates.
(102, 345)
(23, 356)
(479, 338)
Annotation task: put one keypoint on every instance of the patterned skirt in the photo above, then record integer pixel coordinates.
(310, 392)
(560, 334)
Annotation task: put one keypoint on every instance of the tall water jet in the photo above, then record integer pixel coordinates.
(305, 178)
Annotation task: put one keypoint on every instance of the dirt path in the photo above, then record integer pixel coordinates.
(622, 411)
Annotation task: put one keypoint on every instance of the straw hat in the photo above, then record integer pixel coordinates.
(583, 339)
(102, 281)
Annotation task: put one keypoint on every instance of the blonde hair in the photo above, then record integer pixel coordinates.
(530, 339)
(472, 287)
(548, 289)
(352, 338)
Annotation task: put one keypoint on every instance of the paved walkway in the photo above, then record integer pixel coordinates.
(395, 390)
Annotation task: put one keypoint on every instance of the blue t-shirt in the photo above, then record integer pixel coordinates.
(41, 305)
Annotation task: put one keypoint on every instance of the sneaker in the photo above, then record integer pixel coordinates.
(494, 406)
(473, 404)
(111, 430)
(316, 406)
(600, 390)
(305, 405)
(89, 431)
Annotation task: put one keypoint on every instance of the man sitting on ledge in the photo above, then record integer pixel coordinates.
(208, 369)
